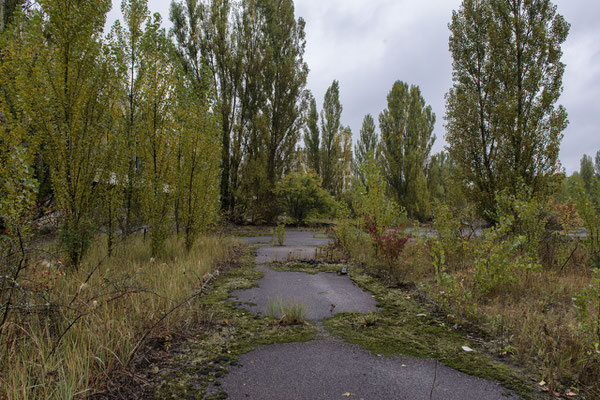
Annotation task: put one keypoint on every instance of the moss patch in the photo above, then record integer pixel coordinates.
(227, 332)
(306, 267)
(405, 327)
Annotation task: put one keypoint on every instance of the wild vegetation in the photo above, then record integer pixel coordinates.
(121, 149)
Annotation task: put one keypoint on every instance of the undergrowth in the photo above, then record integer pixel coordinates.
(529, 289)
(72, 330)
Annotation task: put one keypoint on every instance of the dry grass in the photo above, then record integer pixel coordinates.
(81, 330)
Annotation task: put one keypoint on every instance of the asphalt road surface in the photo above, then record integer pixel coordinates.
(328, 368)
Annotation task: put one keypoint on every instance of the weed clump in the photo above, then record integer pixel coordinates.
(280, 233)
(286, 312)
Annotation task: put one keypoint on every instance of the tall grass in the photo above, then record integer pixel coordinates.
(83, 328)
(287, 312)
(530, 318)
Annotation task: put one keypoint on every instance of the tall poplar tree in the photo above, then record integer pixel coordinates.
(407, 137)
(311, 138)
(284, 79)
(198, 159)
(587, 172)
(504, 126)
(127, 43)
(72, 111)
(330, 136)
(157, 136)
(367, 143)
(204, 34)
(344, 176)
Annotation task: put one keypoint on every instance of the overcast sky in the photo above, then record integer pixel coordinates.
(369, 44)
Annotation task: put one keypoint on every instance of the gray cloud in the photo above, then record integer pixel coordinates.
(369, 44)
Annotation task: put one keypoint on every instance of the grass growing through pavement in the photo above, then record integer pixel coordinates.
(195, 371)
(533, 320)
(404, 326)
(286, 312)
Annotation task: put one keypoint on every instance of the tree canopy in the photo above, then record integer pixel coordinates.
(504, 126)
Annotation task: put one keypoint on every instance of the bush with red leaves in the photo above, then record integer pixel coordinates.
(388, 242)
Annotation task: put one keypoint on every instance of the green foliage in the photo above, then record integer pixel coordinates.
(587, 173)
(509, 251)
(331, 140)
(311, 138)
(198, 159)
(126, 44)
(301, 195)
(368, 143)
(280, 233)
(204, 34)
(254, 51)
(407, 137)
(372, 202)
(588, 209)
(525, 216)
(446, 242)
(439, 177)
(73, 111)
(587, 304)
(18, 141)
(345, 229)
(498, 263)
(157, 141)
(504, 126)
(286, 312)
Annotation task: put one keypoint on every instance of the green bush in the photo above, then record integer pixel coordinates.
(525, 216)
(587, 304)
(280, 233)
(589, 210)
(301, 195)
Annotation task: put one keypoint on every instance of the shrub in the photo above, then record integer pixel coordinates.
(498, 262)
(446, 244)
(344, 229)
(588, 209)
(587, 304)
(280, 233)
(389, 243)
(525, 216)
(302, 195)
(371, 201)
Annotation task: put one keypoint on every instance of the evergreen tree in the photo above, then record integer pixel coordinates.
(407, 137)
(504, 127)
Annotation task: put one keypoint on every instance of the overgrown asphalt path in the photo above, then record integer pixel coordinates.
(328, 368)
